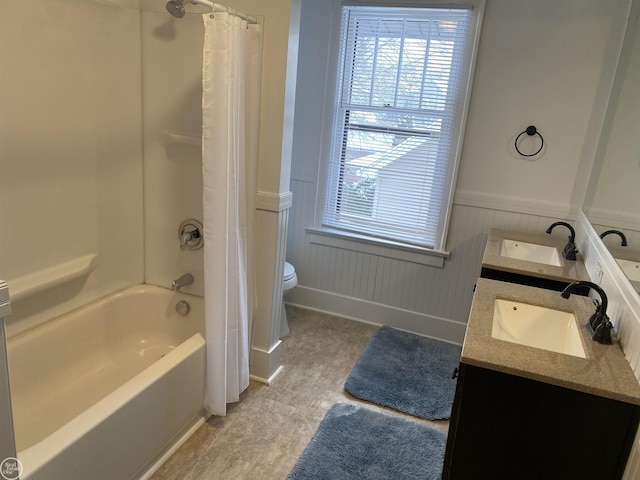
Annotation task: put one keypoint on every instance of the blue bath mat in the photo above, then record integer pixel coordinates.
(356, 443)
(406, 372)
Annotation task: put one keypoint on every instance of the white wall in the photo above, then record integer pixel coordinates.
(543, 63)
(70, 151)
(540, 63)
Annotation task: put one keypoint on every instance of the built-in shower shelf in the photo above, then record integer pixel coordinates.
(48, 278)
(175, 138)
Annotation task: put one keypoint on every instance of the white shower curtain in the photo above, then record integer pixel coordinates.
(230, 114)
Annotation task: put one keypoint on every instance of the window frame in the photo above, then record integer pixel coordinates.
(328, 235)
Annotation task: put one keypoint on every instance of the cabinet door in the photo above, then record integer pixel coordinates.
(507, 427)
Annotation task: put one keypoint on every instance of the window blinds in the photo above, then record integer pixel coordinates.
(399, 100)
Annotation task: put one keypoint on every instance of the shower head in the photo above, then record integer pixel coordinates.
(176, 8)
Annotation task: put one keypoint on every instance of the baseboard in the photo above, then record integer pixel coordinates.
(267, 381)
(377, 314)
(265, 366)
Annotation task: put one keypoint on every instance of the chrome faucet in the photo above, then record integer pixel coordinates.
(186, 237)
(184, 280)
(569, 252)
(623, 242)
(599, 326)
(190, 235)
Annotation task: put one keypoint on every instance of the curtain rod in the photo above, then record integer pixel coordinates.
(217, 7)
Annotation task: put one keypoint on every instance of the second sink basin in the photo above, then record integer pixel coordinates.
(531, 252)
(537, 327)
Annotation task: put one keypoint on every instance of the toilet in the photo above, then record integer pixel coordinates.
(289, 280)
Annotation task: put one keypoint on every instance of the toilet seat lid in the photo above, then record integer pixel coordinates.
(289, 271)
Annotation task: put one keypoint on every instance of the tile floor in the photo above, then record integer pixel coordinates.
(262, 436)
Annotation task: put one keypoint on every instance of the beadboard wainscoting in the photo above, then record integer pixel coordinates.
(623, 310)
(624, 302)
(428, 300)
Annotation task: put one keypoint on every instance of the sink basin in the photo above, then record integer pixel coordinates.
(531, 252)
(537, 327)
(630, 268)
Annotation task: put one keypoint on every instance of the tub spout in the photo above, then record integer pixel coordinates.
(184, 280)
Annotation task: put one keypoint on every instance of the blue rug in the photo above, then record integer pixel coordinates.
(356, 443)
(406, 372)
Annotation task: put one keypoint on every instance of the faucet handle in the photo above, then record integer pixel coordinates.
(190, 234)
(602, 333)
(598, 305)
(596, 320)
(570, 251)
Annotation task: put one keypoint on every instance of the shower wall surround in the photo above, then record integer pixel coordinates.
(70, 152)
(171, 104)
(87, 177)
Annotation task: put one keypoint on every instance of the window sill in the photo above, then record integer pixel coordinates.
(382, 248)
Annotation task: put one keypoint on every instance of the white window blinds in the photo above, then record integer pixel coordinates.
(402, 84)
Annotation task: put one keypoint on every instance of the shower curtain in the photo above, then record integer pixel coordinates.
(230, 114)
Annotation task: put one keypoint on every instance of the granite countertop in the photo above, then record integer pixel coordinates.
(571, 270)
(605, 371)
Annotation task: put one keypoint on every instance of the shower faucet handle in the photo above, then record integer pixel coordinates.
(190, 235)
(187, 236)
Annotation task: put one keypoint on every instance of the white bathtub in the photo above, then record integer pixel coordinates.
(107, 390)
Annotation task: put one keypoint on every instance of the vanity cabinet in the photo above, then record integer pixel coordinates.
(504, 426)
(524, 412)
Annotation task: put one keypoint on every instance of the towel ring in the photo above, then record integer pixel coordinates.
(531, 131)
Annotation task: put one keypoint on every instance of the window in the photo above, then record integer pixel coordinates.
(402, 88)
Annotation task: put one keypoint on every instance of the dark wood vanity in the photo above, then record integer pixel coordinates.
(527, 413)
(508, 427)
